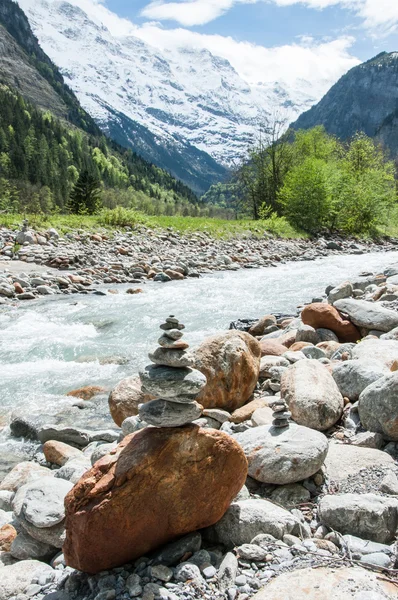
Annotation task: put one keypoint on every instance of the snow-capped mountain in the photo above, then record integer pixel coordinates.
(185, 109)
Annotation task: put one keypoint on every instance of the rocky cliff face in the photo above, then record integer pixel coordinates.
(365, 99)
(186, 110)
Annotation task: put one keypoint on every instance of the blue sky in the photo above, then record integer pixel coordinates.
(277, 22)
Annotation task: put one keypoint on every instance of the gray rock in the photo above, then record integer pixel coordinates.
(172, 358)
(344, 290)
(359, 546)
(42, 501)
(14, 579)
(314, 353)
(353, 376)
(306, 333)
(172, 553)
(326, 335)
(166, 382)
(391, 335)
(369, 315)
(344, 460)
(245, 519)
(365, 515)
(283, 455)
(133, 585)
(73, 470)
(187, 571)
(378, 560)
(312, 395)
(251, 552)
(389, 484)
(290, 495)
(385, 351)
(24, 547)
(343, 349)
(5, 500)
(227, 572)
(5, 517)
(368, 439)
(217, 414)
(378, 406)
(164, 413)
(103, 449)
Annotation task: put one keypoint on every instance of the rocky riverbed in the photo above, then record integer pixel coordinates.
(79, 262)
(303, 410)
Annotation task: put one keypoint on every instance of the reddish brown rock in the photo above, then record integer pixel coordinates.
(325, 316)
(297, 346)
(245, 412)
(7, 536)
(87, 392)
(59, 453)
(272, 348)
(231, 363)
(125, 398)
(261, 325)
(157, 485)
(18, 288)
(174, 274)
(288, 338)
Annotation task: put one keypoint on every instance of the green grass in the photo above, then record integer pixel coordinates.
(120, 217)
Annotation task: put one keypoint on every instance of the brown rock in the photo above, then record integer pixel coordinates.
(96, 237)
(125, 398)
(297, 346)
(7, 536)
(245, 412)
(272, 348)
(231, 363)
(174, 274)
(87, 392)
(261, 325)
(59, 453)
(288, 338)
(325, 316)
(134, 291)
(329, 347)
(157, 485)
(18, 288)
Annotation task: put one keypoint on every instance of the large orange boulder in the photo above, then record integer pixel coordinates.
(325, 316)
(231, 363)
(125, 398)
(157, 485)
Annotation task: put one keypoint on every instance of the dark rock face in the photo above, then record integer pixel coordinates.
(365, 99)
(156, 486)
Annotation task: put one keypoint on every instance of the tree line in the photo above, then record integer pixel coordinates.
(314, 180)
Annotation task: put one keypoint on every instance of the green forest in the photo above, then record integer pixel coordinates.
(42, 158)
(314, 181)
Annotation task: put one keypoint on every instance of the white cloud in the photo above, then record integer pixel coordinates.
(191, 12)
(379, 16)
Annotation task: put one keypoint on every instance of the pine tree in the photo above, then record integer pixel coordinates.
(85, 196)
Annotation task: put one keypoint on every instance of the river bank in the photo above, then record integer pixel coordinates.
(81, 261)
(329, 519)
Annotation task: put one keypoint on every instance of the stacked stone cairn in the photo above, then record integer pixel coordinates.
(281, 414)
(172, 380)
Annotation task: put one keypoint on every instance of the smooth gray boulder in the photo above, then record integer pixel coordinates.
(368, 516)
(167, 382)
(378, 406)
(283, 455)
(312, 395)
(345, 460)
(385, 351)
(344, 290)
(359, 546)
(43, 501)
(369, 315)
(164, 413)
(247, 518)
(24, 547)
(14, 579)
(353, 376)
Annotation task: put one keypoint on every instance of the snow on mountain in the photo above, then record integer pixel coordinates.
(185, 97)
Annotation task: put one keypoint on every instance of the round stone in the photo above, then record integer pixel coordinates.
(166, 342)
(174, 334)
(283, 455)
(168, 382)
(164, 413)
(171, 358)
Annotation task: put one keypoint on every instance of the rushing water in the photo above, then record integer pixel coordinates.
(52, 346)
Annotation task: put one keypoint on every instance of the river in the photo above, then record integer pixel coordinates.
(54, 345)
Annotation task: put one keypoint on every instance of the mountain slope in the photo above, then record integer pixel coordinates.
(365, 99)
(187, 101)
(50, 150)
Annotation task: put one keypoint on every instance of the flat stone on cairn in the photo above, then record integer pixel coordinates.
(281, 414)
(172, 380)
